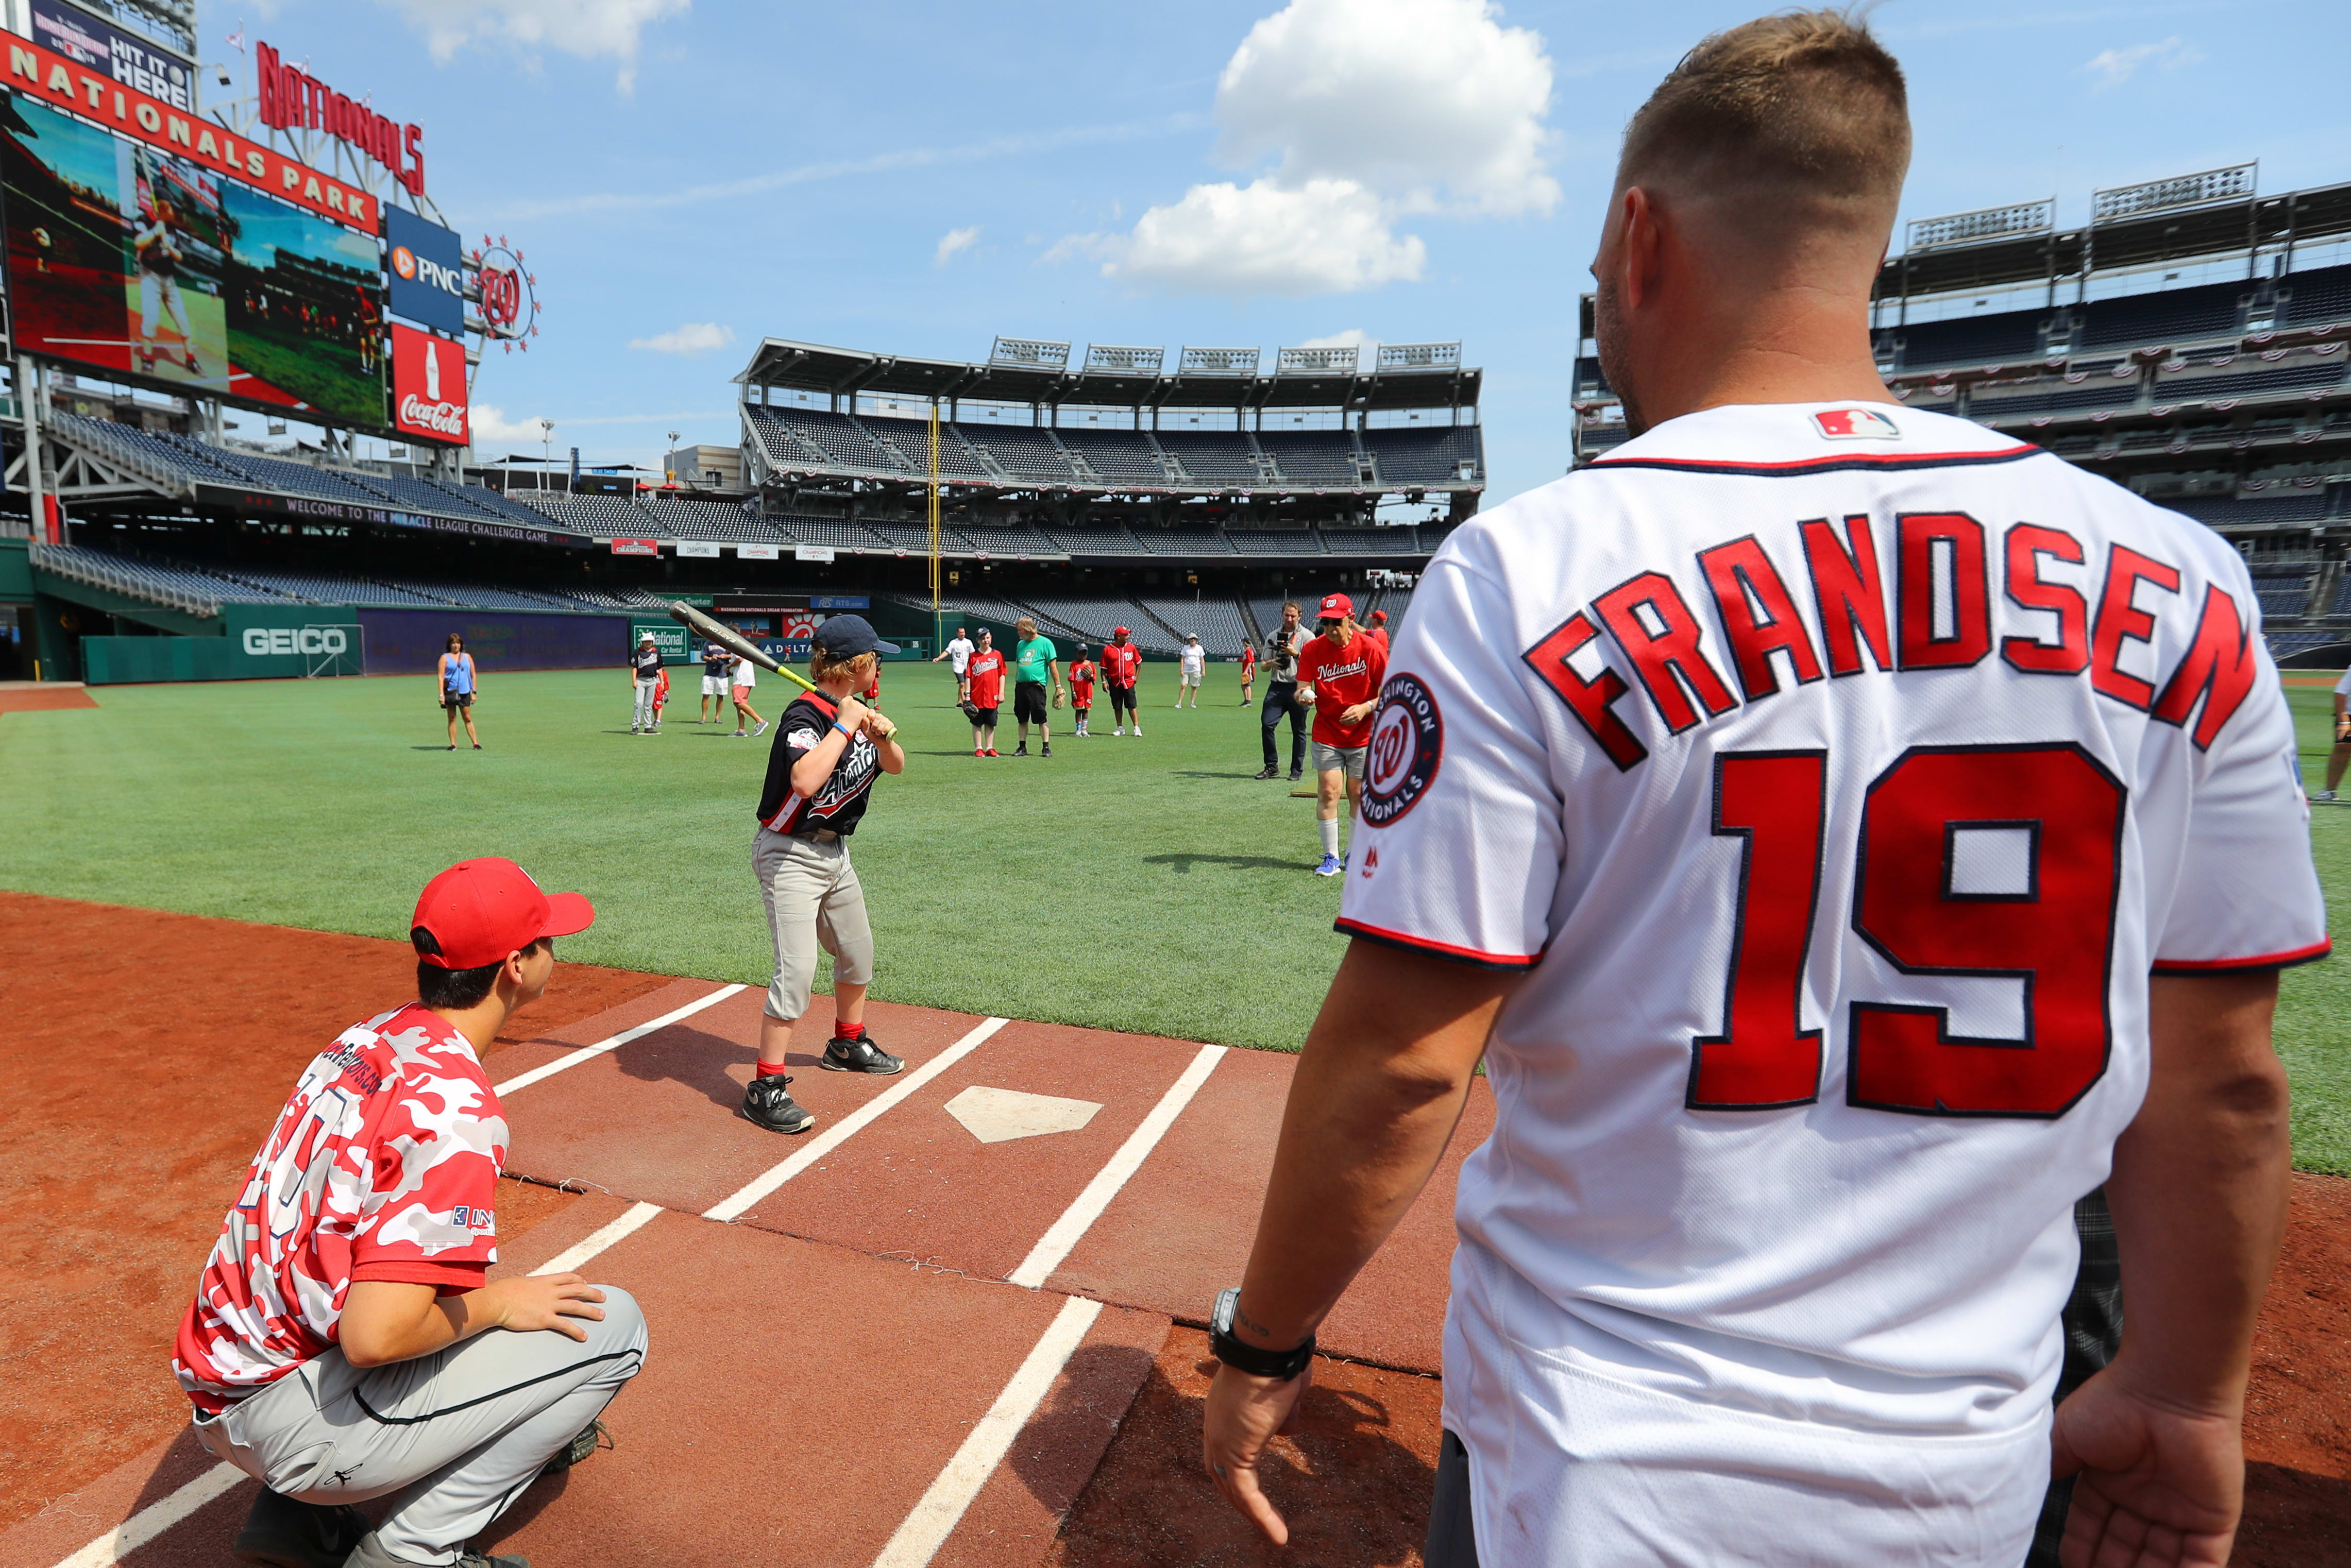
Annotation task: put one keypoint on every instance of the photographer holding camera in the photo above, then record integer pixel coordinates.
(1283, 647)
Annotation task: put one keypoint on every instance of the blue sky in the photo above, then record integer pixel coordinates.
(688, 177)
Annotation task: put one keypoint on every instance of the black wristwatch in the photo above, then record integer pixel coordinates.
(1281, 1365)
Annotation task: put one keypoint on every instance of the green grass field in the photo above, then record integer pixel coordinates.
(1147, 884)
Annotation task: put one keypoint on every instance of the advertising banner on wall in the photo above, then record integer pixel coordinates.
(427, 272)
(428, 386)
(145, 263)
(125, 58)
(676, 645)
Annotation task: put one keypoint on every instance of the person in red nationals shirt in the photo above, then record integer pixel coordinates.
(1122, 662)
(1339, 673)
(985, 675)
(1082, 675)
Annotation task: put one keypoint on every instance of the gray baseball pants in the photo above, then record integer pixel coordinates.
(458, 1434)
(814, 901)
(642, 716)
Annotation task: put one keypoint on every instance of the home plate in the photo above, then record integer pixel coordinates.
(999, 1115)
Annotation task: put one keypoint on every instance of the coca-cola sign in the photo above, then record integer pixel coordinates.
(428, 386)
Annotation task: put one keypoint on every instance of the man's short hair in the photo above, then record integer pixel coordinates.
(1294, 605)
(455, 989)
(1803, 113)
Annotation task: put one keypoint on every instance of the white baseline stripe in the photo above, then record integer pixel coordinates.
(156, 1519)
(525, 1080)
(926, 1530)
(1076, 1219)
(824, 1143)
(596, 1241)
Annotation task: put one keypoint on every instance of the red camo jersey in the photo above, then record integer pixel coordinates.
(986, 675)
(1081, 684)
(383, 1165)
(1341, 677)
(1120, 664)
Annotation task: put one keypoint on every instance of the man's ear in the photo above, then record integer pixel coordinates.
(1642, 255)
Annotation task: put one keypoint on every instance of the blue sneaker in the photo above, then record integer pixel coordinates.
(1332, 866)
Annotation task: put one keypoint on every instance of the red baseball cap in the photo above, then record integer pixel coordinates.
(477, 912)
(1379, 617)
(1335, 605)
(1118, 631)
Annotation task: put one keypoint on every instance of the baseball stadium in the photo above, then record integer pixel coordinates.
(298, 666)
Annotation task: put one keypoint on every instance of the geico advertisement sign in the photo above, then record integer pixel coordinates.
(260, 641)
(428, 385)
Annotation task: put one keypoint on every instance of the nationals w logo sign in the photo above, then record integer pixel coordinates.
(1407, 742)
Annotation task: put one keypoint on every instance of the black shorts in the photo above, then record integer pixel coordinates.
(1121, 698)
(983, 716)
(1029, 705)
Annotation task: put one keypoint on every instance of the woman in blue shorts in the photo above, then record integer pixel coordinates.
(457, 682)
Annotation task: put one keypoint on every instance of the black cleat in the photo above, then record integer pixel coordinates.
(772, 1106)
(859, 1055)
(1269, 773)
(592, 1436)
(282, 1532)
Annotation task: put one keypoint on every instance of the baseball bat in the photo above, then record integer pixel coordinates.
(726, 637)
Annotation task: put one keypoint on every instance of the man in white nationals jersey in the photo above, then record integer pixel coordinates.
(1847, 837)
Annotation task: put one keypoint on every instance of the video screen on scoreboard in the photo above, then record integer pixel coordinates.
(145, 265)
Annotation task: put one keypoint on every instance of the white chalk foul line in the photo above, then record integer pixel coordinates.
(841, 1132)
(925, 1530)
(1079, 1217)
(525, 1080)
(156, 1519)
(597, 1240)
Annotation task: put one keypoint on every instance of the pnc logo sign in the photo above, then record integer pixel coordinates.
(403, 261)
(260, 641)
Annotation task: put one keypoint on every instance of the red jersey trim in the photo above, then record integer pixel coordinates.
(416, 1272)
(2285, 960)
(1888, 462)
(1512, 961)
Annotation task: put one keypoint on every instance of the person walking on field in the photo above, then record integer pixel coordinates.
(715, 662)
(1834, 901)
(957, 653)
(1191, 669)
(1122, 662)
(1035, 661)
(1082, 674)
(459, 683)
(821, 773)
(644, 673)
(1283, 646)
(986, 693)
(1248, 670)
(1339, 676)
(346, 1343)
(745, 677)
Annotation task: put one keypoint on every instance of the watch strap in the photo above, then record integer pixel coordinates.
(1241, 1356)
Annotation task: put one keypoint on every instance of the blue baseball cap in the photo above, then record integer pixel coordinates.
(846, 636)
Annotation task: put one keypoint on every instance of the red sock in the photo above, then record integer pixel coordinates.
(768, 1069)
(847, 1031)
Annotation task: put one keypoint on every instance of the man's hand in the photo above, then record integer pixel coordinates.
(1355, 713)
(1244, 1413)
(544, 1301)
(2155, 1486)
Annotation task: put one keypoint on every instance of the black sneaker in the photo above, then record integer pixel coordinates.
(1269, 773)
(1021, 749)
(772, 1106)
(283, 1532)
(1048, 748)
(1296, 777)
(859, 1055)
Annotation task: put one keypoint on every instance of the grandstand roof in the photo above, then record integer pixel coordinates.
(812, 367)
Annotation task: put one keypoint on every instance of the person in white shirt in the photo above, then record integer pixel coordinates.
(1192, 668)
(2341, 754)
(958, 652)
(1847, 836)
(746, 679)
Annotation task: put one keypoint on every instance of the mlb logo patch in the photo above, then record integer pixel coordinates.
(1854, 424)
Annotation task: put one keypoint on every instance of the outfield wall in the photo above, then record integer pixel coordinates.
(411, 642)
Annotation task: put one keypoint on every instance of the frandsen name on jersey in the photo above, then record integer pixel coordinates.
(1939, 618)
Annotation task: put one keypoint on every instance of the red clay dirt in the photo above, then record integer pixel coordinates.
(43, 697)
(137, 1096)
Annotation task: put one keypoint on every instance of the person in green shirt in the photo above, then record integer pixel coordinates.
(1035, 661)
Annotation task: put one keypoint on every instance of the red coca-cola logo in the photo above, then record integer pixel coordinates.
(443, 418)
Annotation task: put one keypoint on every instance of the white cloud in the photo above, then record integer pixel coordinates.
(1326, 236)
(691, 338)
(951, 241)
(491, 427)
(591, 30)
(1366, 111)
(1426, 100)
(2116, 67)
(1365, 346)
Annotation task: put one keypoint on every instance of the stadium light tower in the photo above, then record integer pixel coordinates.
(545, 448)
(669, 464)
